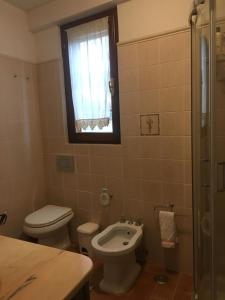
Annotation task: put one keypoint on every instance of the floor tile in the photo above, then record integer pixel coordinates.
(179, 286)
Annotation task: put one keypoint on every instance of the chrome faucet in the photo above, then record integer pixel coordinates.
(130, 221)
(122, 219)
(138, 222)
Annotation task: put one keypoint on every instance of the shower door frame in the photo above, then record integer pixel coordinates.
(196, 144)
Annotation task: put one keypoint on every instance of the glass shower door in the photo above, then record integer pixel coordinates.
(219, 153)
(201, 143)
(208, 137)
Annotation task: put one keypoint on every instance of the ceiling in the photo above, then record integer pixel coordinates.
(28, 4)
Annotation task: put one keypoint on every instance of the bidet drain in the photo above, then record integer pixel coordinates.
(125, 243)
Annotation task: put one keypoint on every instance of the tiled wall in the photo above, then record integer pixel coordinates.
(143, 171)
(22, 187)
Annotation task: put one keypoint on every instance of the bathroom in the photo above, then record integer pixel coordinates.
(146, 165)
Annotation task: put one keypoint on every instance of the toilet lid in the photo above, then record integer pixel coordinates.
(47, 215)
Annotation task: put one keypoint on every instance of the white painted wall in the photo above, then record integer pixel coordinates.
(140, 18)
(58, 10)
(48, 44)
(15, 38)
(137, 19)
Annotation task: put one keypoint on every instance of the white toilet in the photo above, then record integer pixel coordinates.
(115, 246)
(49, 226)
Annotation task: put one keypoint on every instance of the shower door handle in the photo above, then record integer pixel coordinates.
(221, 176)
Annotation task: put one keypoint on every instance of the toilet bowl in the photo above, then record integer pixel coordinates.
(115, 247)
(49, 226)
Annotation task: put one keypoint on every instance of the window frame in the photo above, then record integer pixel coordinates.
(88, 137)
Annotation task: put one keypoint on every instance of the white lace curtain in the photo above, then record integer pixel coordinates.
(88, 46)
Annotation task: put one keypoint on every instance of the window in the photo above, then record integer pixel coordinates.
(91, 78)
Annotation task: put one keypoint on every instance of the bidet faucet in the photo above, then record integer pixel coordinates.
(138, 222)
(130, 221)
(122, 219)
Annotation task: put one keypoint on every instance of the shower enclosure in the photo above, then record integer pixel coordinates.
(208, 143)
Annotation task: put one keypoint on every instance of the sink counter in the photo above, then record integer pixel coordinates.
(35, 272)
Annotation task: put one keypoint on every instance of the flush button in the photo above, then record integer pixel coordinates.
(65, 163)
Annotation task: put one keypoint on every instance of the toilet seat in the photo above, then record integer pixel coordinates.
(47, 219)
(47, 216)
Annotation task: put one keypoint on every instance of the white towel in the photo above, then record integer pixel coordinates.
(167, 228)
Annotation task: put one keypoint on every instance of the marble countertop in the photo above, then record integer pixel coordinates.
(35, 272)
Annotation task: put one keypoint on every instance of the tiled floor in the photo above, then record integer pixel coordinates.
(179, 286)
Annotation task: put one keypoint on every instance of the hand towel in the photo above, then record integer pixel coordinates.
(167, 229)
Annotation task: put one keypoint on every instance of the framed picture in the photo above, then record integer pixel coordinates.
(149, 124)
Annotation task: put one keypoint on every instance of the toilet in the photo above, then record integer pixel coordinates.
(49, 226)
(115, 247)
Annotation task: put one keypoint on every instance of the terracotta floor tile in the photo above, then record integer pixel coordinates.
(143, 288)
(183, 296)
(179, 286)
(185, 283)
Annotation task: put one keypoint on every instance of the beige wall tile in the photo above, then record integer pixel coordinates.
(149, 101)
(132, 147)
(84, 200)
(188, 148)
(188, 195)
(188, 97)
(173, 171)
(115, 186)
(130, 125)
(188, 123)
(173, 47)
(150, 169)
(188, 172)
(70, 180)
(133, 208)
(173, 147)
(173, 74)
(128, 56)
(84, 182)
(151, 191)
(98, 182)
(174, 193)
(98, 165)
(132, 189)
(70, 199)
(172, 99)
(132, 168)
(173, 124)
(80, 149)
(150, 147)
(82, 163)
(129, 103)
(129, 80)
(148, 52)
(149, 77)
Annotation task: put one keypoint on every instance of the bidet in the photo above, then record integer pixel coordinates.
(116, 246)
